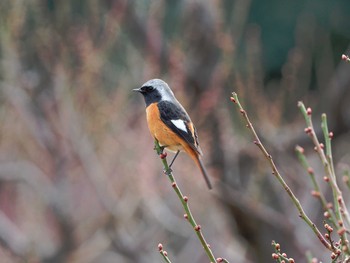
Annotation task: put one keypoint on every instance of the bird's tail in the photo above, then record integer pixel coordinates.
(203, 170)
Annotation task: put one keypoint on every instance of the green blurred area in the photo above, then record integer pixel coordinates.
(79, 181)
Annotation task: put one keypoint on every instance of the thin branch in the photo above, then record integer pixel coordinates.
(341, 210)
(302, 158)
(280, 257)
(184, 202)
(278, 176)
(163, 253)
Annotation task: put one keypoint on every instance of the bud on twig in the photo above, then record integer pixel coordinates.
(328, 228)
(309, 111)
(345, 58)
(275, 256)
(330, 135)
(329, 205)
(310, 170)
(341, 231)
(340, 200)
(308, 130)
(197, 227)
(277, 246)
(315, 194)
(333, 255)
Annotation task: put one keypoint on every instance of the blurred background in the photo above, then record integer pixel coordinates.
(79, 180)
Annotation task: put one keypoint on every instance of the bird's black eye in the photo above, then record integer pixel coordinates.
(147, 88)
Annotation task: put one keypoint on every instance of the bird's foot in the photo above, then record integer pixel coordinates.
(168, 171)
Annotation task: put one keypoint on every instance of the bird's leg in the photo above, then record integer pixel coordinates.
(162, 149)
(177, 153)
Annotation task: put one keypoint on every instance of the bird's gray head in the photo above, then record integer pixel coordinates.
(156, 90)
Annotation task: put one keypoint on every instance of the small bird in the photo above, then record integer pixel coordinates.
(169, 122)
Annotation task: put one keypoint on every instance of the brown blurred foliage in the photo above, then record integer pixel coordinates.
(79, 181)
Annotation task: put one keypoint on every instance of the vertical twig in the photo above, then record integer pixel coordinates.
(184, 201)
(340, 210)
(302, 158)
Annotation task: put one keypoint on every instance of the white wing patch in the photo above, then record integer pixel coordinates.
(180, 124)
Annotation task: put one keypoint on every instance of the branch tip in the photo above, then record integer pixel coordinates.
(345, 58)
(299, 149)
(327, 214)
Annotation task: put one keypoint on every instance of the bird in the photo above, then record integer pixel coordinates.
(170, 124)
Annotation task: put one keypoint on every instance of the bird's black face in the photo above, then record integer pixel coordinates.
(146, 89)
(150, 93)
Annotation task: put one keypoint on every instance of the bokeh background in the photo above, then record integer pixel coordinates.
(79, 180)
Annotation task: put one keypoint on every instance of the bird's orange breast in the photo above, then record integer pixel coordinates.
(160, 131)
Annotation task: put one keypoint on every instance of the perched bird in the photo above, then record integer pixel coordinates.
(169, 122)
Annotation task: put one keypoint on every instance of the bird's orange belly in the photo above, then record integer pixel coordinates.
(165, 136)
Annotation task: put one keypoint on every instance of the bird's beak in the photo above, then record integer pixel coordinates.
(137, 90)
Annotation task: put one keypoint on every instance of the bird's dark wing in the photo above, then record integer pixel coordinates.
(177, 119)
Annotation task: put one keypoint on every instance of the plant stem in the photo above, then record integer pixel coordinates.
(341, 211)
(165, 257)
(278, 176)
(302, 158)
(184, 202)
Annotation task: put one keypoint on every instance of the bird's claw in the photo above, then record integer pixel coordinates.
(167, 171)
